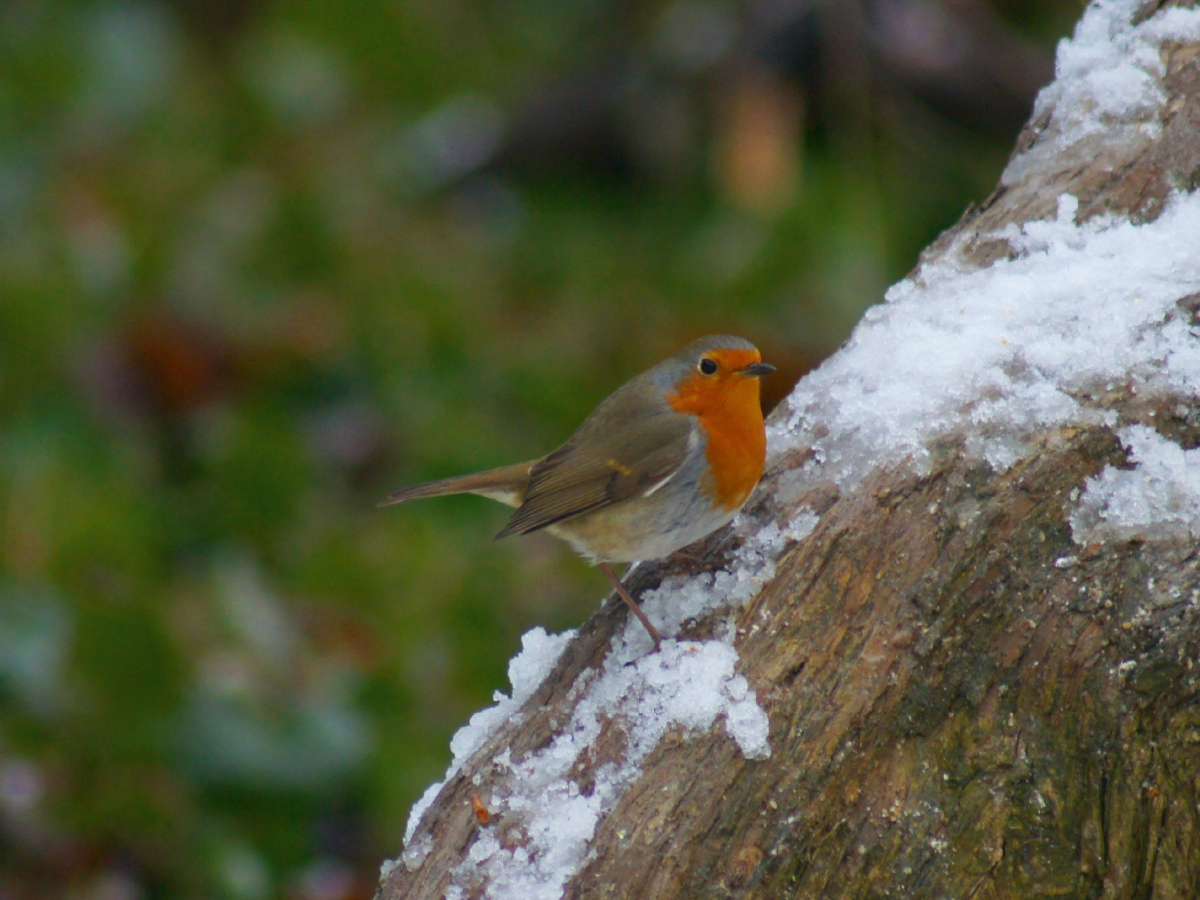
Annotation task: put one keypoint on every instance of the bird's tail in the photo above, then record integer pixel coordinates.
(506, 484)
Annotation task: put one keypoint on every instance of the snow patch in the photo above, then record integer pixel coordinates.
(548, 818)
(526, 671)
(1107, 75)
(545, 816)
(998, 355)
(1159, 498)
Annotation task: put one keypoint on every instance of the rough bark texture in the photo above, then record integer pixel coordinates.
(963, 702)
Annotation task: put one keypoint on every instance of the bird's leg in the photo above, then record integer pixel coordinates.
(634, 608)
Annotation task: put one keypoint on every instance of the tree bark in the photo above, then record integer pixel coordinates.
(963, 702)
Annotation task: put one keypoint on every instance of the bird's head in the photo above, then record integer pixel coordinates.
(713, 372)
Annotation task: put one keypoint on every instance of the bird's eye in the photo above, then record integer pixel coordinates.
(708, 366)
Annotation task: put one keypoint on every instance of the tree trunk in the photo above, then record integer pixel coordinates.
(975, 687)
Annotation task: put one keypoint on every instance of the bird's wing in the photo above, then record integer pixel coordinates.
(597, 468)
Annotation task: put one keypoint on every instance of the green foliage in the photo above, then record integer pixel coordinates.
(240, 302)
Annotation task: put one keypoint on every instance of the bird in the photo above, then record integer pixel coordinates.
(665, 460)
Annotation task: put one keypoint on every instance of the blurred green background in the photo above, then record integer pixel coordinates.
(263, 262)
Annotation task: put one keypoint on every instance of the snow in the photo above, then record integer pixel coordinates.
(1107, 79)
(1108, 72)
(686, 686)
(1158, 498)
(994, 356)
(1001, 354)
(526, 671)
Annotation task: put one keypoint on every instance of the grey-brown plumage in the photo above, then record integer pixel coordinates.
(667, 458)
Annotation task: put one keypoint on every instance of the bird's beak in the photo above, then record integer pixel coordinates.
(757, 370)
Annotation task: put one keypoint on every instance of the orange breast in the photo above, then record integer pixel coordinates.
(729, 410)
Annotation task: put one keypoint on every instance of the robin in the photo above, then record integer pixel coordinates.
(664, 460)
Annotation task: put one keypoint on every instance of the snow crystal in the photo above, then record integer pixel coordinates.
(801, 525)
(1158, 498)
(1107, 77)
